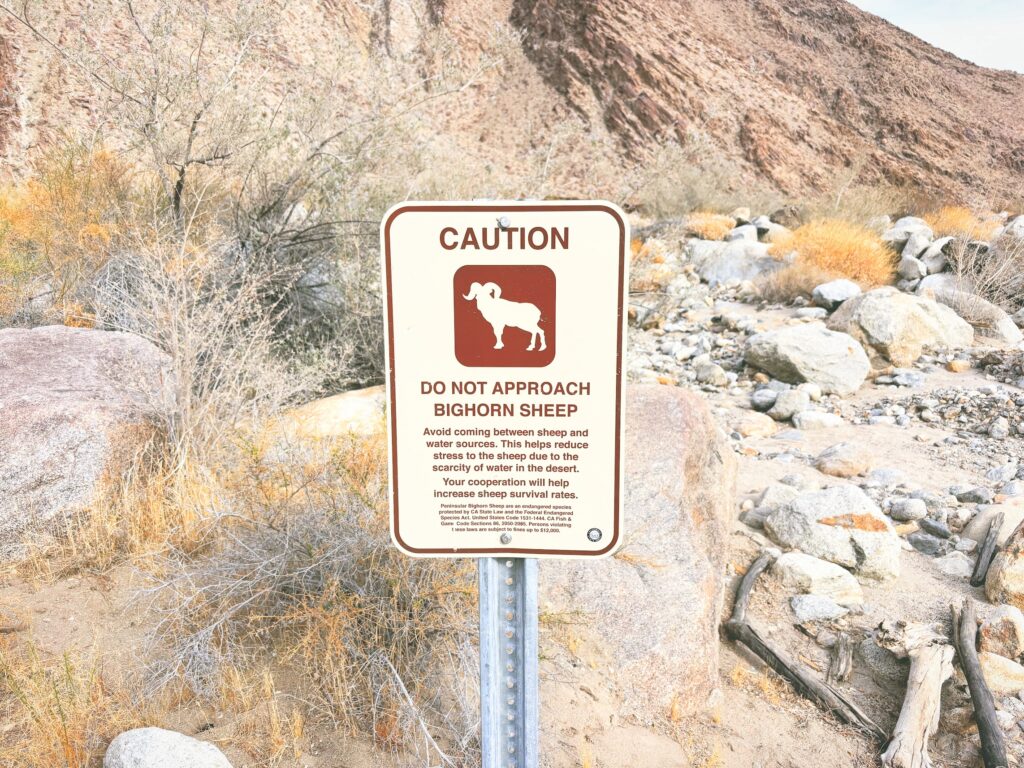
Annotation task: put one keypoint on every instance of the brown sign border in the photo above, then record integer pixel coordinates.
(511, 209)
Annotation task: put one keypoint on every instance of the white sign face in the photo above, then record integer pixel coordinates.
(505, 343)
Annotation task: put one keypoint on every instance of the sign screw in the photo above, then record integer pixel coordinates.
(594, 534)
(506, 538)
(504, 222)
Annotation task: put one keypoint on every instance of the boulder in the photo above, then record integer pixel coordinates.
(789, 403)
(901, 326)
(79, 406)
(743, 232)
(977, 529)
(1002, 632)
(724, 262)
(844, 460)
(911, 268)
(900, 233)
(360, 412)
(955, 564)
(934, 257)
(814, 576)
(679, 491)
(809, 352)
(833, 293)
(160, 748)
(1004, 676)
(810, 608)
(1005, 580)
(916, 244)
(841, 525)
(986, 318)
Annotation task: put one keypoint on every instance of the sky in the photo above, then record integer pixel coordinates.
(987, 32)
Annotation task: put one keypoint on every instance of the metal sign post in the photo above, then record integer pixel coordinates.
(506, 326)
(509, 702)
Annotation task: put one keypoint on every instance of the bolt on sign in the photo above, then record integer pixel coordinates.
(505, 346)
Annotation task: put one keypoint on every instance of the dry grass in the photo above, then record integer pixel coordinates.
(57, 229)
(958, 221)
(60, 713)
(304, 565)
(841, 249)
(797, 279)
(709, 226)
(996, 275)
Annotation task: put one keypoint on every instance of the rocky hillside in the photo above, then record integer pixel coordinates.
(795, 89)
(793, 92)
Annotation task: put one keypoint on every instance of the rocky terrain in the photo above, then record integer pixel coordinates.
(796, 93)
(879, 435)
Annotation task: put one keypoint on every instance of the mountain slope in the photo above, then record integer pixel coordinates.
(794, 88)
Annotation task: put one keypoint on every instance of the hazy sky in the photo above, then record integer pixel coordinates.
(987, 32)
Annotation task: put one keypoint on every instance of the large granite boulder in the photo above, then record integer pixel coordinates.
(77, 407)
(724, 262)
(160, 748)
(654, 608)
(901, 326)
(810, 352)
(841, 525)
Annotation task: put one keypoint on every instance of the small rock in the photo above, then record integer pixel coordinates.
(844, 460)
(813, 390)
(926, 543)
(810, 608)
(754, 424)
(807, 420)
(814, 576)
(955, 564)
(911, 268)
(812, 313)
(763, 399)
(808, 352)
(788, 404)
(1002, 632)
(885, 477)
(906, 510)
(935, 528)
(710, 373)
(958, 365)
(976, 495)
(830, 295)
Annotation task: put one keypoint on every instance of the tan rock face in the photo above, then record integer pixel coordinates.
(78, 405)
(838, 83)
(655, 606)
(1002, 632)
(1004, 676)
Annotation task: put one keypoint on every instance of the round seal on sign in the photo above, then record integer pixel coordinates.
(594, 534)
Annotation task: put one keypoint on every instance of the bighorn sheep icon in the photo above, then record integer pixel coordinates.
(501, 312)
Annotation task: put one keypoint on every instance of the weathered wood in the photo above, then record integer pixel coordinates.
(823, 694)
(840, 665)
(931, 664)
(987, 551)
(965, 632)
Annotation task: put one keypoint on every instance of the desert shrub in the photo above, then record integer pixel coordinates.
(305, 565)
(958, 221)
(694, 175)
(57, 228)
(61, 711)
(709, 226)
(995, 274)
(841, 249)
(797, 279)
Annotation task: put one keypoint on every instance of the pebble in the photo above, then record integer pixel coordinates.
(816, 608)
(906, 510)
(926, 543)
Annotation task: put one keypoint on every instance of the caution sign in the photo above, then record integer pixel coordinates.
(505, 328)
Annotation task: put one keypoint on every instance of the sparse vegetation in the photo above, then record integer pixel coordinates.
(709, 226)
(959, 221)
(834, 248)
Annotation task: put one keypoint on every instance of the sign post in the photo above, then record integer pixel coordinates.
(505, 332)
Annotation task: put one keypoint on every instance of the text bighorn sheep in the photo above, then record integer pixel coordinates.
(501, 312)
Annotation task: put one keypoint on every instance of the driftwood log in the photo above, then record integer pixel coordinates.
(965, 633)
(931, 664)
(987, 551)
(739, 629)
(840, 665)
